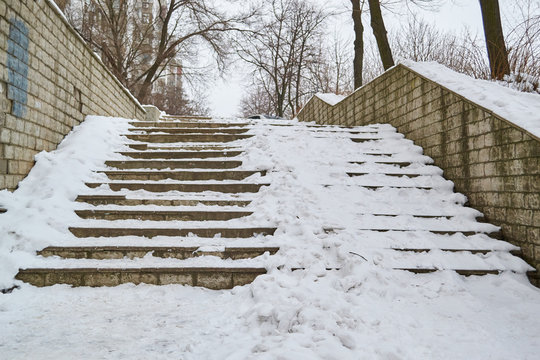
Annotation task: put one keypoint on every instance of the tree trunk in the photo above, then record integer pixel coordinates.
(358, 43)
(377, 24)
(497, 54)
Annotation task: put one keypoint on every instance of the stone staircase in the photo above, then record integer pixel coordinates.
(173, 209)
(179, 171)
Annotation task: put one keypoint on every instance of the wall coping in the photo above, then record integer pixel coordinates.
(489, 111)
(61, 15)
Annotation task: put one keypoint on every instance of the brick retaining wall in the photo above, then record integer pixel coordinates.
(50, 80)
(492, 161)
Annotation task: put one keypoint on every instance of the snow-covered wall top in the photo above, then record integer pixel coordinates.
(522, 109)
(330, 98)
(52, 81)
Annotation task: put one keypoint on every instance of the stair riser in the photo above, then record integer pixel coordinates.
(400, 164)
(361, 140)
(180, 154)
(222, 188)
(157, 165)
(186, 138)
(193, 130)
(186, 176)
(92, 277)
(161, 216)
(177, 124)
(149, 233)
(159, 202)
(354, 174)
(181, 254)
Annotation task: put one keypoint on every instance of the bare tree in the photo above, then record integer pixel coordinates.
(332, 72)
(420, 41)
(496, 48)
(379, 30)
(138, 40)
(256, 101)
(358, 60)
(524, 47)
(280, 50)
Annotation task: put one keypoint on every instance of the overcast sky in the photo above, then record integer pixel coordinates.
(225, 94)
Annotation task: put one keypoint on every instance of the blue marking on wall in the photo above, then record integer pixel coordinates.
(17, 64)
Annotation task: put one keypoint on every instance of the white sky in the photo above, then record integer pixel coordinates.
(225, 95)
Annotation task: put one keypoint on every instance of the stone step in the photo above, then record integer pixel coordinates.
(173, 138)
(496, 234)
(179, 154)
(464, 272)
(122, 200)
(472, 251)
(190, 130)
(377, 187)
(174, 164)
(409, 175)
(185, 124)
(183, 187)
(192, 118)
(397, 163)
(421, 216)
(202, 147)
(212, 278)
(160, 215)
(361, 140)
(180, 175)
(120, 252)
(86, 232)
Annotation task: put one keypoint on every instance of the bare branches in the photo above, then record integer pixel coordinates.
(280, 51)
(139, 39)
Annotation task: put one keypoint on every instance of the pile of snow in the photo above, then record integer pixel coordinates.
(363, 310)
(330, 98)
(522, 109)
(40, 211)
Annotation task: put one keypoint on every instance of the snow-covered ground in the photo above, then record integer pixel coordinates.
(364, 310)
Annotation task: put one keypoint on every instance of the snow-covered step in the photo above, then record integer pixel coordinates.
(373, 186)
(398, 174)
(188, 130)
(123, 200)
(161, 215)
(180, 175)
(174, 164)
(185, 124)
(229, 187)
(158, 154)
(174, 138)
(400, 164)
(239, 232)
(176, 252)
(443, 230)
(366, 139)
(212, 278)
(182, 147)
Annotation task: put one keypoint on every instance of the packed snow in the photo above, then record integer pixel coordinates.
(362, 309)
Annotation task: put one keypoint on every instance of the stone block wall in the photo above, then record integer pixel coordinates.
(49, 81)
(492, 161)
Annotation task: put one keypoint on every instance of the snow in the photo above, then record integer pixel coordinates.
(520, 108)
(330, 98)
(363, 310)
(40, 210)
